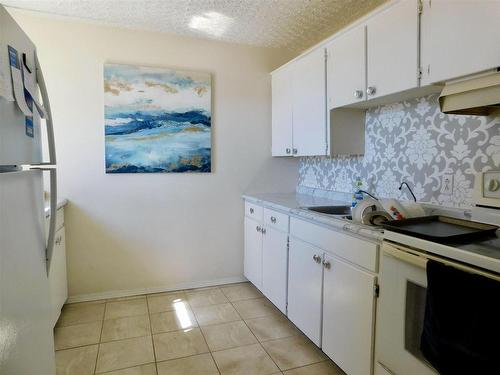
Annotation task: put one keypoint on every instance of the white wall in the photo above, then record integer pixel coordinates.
(141, 232)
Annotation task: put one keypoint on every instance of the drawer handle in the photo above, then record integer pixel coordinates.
(251, 210)
(273, 220)
(58, 240)
(258, 228)
(263, 230)
(327, 264)
(317, 258)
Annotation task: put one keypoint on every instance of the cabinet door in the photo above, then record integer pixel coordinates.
(459, 37)
(347, 68)
(282, 112)
(348, 311)
(253, 252)
(58, 280)
(309, 104)
(305, 277)
(392, 50)
(274, 266)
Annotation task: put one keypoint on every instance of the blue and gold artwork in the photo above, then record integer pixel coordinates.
(156, 120)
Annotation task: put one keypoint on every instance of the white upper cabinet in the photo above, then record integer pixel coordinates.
(459, 37)
(282, 112)
(347, 68)
(376, 59)
(309, 105)
(392, 50)
(299, 107)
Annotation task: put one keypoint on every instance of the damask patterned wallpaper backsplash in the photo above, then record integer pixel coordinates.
(413, 141)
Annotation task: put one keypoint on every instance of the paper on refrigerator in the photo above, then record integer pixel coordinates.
(17, 82)
(5, 89)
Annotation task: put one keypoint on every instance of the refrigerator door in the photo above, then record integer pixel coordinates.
(26, 337)
(16, 147)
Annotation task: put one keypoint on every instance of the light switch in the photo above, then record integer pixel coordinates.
(491, 184)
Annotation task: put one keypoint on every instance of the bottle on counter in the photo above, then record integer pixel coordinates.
(357, 195)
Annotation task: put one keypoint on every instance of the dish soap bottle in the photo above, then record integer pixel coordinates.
(357, 195)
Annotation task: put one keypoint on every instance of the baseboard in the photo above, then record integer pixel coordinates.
(139, 291)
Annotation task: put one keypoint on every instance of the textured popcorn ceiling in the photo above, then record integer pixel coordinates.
(294, 24)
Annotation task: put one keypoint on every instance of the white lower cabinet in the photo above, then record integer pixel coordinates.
(266, 252)
(275, 266)
(348, 316)
(57, 275)
(305, 279)
(253, 252)
(323, 279)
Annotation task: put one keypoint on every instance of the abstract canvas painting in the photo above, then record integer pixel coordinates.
(156, 120)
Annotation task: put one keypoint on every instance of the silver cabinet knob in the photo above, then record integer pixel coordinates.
(58, 240)
(295, 151)
(258, 228)
(371, 90)
(288, 151)
(327, 264)
(317, 258)
(263, 230)
(358, 94)
(273, 220)
(251, 210)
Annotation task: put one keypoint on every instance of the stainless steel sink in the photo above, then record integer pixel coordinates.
(332, 210)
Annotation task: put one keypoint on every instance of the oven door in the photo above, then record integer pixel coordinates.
(400, 314)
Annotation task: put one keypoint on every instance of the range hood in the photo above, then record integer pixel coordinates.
(478, 96)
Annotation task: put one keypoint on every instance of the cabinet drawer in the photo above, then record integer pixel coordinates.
(253, 211)
(354, 250)
(276, 220)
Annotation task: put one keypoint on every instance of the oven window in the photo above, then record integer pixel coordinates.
(414, 318)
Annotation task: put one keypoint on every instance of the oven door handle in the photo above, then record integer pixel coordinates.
(413, 259)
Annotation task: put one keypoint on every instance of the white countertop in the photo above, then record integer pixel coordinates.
(61, 203)
(484, 254)
(294, 204)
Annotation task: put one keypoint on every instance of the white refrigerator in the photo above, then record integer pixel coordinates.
(26, 335)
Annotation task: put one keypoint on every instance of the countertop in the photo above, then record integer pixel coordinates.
(293, 204)
(61, 203)
(484, 254)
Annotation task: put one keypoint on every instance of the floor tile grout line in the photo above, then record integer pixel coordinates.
(127, 316)
(258, 341)
(203, 335)
(310, 364)
(192, 355)
(100, 337)
(149, 313)
(208, 347)
(262, 346)
(151, 331)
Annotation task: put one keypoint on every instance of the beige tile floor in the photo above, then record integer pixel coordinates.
(229, 329)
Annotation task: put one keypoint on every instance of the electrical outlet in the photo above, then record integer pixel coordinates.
(447, 184)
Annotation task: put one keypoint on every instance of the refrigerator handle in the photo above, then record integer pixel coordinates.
(52, 161)
(53, 215)
(46, 104)
(49, 250)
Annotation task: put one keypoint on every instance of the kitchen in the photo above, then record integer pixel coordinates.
(257, 264)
